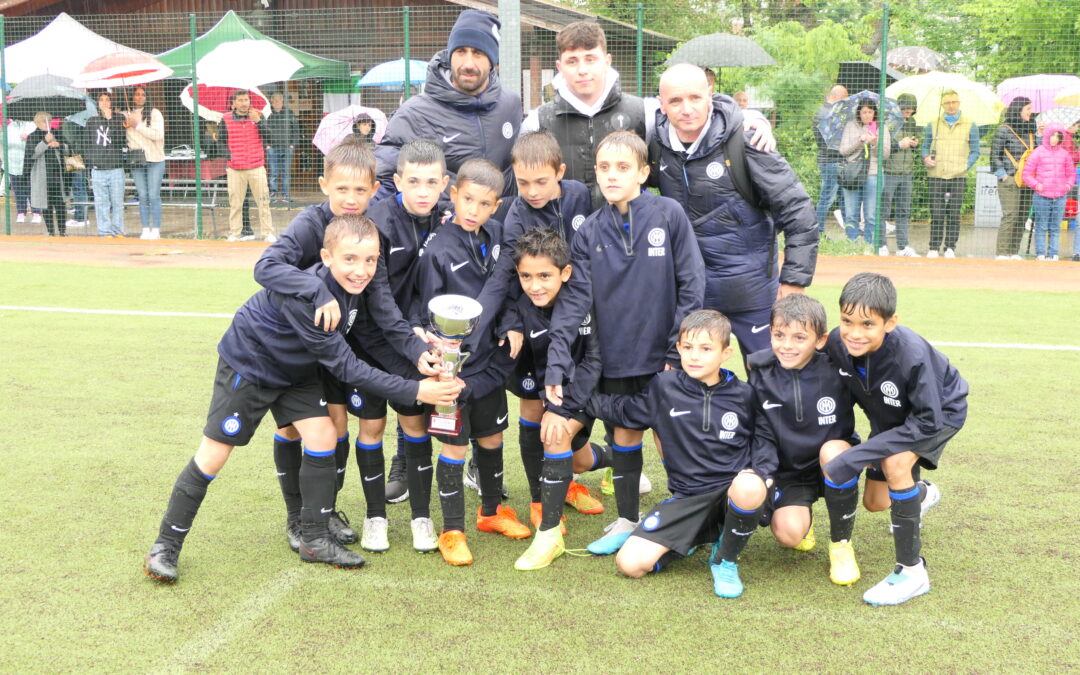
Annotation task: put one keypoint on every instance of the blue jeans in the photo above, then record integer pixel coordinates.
(280, 163)
(148, 183)
(829, 187)
(78, 194)
(897, 197)
(109, 200)
(21, 185)
(1048, 215)
(865, 199)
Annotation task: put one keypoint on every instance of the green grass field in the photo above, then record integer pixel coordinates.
(101, 412)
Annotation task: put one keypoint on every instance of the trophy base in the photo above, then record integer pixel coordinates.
(447, 425)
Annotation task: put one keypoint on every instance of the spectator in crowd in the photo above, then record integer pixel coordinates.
(241, 134)
(828, 160)
(950, 147)
(741, 99)
(47, 174)
(1014, 136)
(145, 127)
(74, 136)
(899, 169)
(282, 134)
(107, 143)
(20, 177)
(1051, 172)
(364, 127)
(860, 139)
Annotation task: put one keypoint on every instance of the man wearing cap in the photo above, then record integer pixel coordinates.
(464, 108)
(899, 168)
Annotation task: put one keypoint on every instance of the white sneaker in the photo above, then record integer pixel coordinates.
(644, 484)
(145, 233)
(36, 218)
(883, 251)
(931, 254)
(248, 237)
(933, 496)
(423, 535)
(233, 238)
(1053, 258)
(270, 238)
(1001, 257)
(907, 252)
(21, 218)
(902, 585)
(949, 253)
(1040, 258)
(154, 234)
(375, 535)
(1016, 257)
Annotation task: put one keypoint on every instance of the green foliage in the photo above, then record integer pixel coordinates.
(1020, 38)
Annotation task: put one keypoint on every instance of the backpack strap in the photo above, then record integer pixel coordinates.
(735, 159)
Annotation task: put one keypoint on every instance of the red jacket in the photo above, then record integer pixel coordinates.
(245, 143)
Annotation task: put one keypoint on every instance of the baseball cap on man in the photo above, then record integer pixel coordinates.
(907, 101)
(479, 30)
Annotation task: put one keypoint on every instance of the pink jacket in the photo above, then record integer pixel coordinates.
(1050, 170)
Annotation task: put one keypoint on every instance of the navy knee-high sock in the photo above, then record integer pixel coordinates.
(418, 474)
(739, 524)
(318, 486)
(187, 495)
(532, 455)
(448, 474)
(489, 469)
(341, 460)
(842, 501)
(905, 525)
(555, 480)
(287, 463)
(626, 462)
(369, 457)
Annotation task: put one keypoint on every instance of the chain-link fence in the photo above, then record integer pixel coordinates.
(948, 140)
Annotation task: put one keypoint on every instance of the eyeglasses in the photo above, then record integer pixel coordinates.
(953, 102)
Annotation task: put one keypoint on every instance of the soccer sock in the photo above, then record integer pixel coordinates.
(626, 463)
(842, 501)
(489, 469)
(448, 473)
(664, 561)
(317, 485)
(341, 460)
(418, 474)
(738, 526)
(601, 456)
(187, 495)
(532, 455)
(402, 449)
(369, 457)
(555, 482)
(287, 462)
(905, 525)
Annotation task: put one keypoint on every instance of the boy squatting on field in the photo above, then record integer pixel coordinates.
(268, 360)
(915, 400)
(806, 412)
(718, 473)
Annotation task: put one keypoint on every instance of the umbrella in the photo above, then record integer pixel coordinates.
(246, 64)
(81, 118)
(1068, 96)
(50, 93)
(1066, 116)
(64, 48)
(842, 112)
(978, 102)
(336, 126)
(917, 59)
(215, 101)
(1041, 89)
(121, 69)
(391, 75)
(864, 75)
(721, 50)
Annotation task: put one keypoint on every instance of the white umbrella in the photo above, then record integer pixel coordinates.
(246, 64)
(62, 48)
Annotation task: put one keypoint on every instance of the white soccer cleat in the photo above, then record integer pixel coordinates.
(933, 496)
(644, 484)
(902, 585)
(375, 538)
(423, 535)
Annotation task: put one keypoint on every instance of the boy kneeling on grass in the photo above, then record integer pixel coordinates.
(717, 474)
(268, 361)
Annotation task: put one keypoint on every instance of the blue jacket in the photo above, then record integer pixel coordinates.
(402, 235)
(273, 342)
(641, 274)
(585, 351)
(707, 432)
(737, 240)
(800, 410)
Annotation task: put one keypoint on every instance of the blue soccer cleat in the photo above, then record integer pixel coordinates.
(726, 581)
(617, 534)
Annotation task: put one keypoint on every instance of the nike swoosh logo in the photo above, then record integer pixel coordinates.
(447, 494)
(395, 249)
(758, 329)
(341, 470)
(424, 468)
(456, 267)
(499, 475)
(368, 480)
(678, 413)
(322, 401)
(178, 529)
(849, 516)
(537, 333)
(447, 139)
(501, 419)
(742, 534)
(551, 482)
(769, 406)
(326, 510)
(282, 473)
(844, 373)
(663, 167)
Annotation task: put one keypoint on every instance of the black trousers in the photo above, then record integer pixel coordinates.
(946, 196)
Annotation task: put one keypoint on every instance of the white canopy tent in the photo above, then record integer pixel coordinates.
(63, 48)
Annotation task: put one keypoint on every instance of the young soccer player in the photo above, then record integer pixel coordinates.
(268, 361)
(915, 400)
(348, 181)
(717, 474)
(805, 410)
(457, 260)
(637, 264)
(543, 265)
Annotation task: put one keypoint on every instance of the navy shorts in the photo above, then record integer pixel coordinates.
(681, 523)
(523, 382)
(851, 462)
(238, 406)
(625, 386)
(480, 418)
(360, 403)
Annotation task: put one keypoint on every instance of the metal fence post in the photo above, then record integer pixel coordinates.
(640, 50)
(408, 82)
(879, 184)
(3, 127)
(195, 130)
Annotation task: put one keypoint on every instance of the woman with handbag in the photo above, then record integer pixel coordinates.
(45, 152)
(859, 171)
(146, 158)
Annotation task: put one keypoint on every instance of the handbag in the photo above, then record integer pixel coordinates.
(74, 163)
(852, 175)
(136, 159)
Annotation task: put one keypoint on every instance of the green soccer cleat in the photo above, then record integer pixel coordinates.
(546, 546)
(607, 482)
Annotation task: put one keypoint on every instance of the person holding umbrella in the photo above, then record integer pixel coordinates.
(898, 174)
(950, 148)
(1014, 138)
(860, 140)
(145, 127)
(107, 142)
(241, 134)
(46, 158)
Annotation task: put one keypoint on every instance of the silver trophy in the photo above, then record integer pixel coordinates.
(453, 318)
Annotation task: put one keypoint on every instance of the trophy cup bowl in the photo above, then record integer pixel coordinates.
(453, 318)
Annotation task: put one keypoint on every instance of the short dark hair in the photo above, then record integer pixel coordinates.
(580, 35)
(352, 154)
(626, 140)
(800, 308)
(709, 320)
(237, 93)
(482, 172)
(346, 226)
(537, 148)
(422, 151)
(870, 292)
(543, 242)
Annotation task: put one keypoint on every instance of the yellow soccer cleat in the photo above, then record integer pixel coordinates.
(808, 542)
(454, 549)
(504, 522)
(545, 547)
(579, 497)
(843, 570)
(536, 516)
(607, 483)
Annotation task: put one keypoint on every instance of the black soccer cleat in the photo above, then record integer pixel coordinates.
(292, 531)
(340, 530)
(160, 563)
(328, 550)
(397, 485)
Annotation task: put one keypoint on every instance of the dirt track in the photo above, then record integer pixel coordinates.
(956, 273)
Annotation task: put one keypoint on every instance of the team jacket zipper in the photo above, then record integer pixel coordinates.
(798, 395)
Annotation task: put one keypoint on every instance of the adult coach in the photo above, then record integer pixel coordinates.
(737, 238)
(241, 132)
(463, 107)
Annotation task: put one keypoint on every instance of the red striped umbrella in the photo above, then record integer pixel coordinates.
(121, 70)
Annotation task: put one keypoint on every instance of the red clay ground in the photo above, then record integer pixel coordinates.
(955, 273)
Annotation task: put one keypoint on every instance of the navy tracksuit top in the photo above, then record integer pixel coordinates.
(585, 351)
(401, 236)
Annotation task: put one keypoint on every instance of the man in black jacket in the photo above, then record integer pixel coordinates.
(828, 159)
(282, 133)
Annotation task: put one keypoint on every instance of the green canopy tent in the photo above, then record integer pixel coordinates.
(231, 28)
